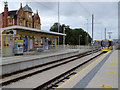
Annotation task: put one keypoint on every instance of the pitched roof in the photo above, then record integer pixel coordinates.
(13, 12)
(15, 27)
(27, 8)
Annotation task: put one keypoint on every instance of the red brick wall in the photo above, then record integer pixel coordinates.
(1, 20)
(35, 17)
(21, 9)
(15, 20)
(5, 16)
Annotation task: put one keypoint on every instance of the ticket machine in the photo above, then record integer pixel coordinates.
(18, 47)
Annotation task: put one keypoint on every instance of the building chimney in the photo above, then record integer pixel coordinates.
(20, 5)
(37, 12)
(5, 14)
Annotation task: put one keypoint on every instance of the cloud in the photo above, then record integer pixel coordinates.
(47, 22)
(1, 7)
(75, 14)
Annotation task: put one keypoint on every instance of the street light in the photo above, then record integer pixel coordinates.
(64, 38)
(87, 34)
(87, 40)
(109, 33)
(79, 39)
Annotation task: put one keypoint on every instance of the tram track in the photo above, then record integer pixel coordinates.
(52, 84)
(14, 77)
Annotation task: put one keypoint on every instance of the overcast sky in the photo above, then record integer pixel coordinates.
(75, 14)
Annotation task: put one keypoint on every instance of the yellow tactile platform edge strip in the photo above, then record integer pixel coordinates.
(80, 72)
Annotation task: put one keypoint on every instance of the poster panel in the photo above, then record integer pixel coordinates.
(31, 43)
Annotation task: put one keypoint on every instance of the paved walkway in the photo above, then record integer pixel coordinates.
(107, 76)
(41, 55)
(41, 78)
(102, 73)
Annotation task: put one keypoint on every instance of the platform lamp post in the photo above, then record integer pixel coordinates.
(64, 38)
(87, 41)
(92, 31)
(79, 39)
(87, 35)
(109, 33)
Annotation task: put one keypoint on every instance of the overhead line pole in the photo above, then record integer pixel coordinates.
(87, 33)
(105, 33)
(92, 31)
(58, 23)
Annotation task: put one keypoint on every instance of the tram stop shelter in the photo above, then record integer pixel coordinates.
(33, 39)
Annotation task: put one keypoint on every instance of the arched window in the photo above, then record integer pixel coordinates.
(21, 12)
(36, 26)
(10, 22)
(29, 25)
(20, 23)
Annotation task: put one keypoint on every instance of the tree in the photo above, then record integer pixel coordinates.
(72, 35)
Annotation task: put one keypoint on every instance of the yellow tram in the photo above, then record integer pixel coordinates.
(106, 45)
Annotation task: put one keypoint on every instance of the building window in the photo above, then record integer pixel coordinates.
(37, 17)
(20, 23)
(29, 16)
(13, 22)
(26, 24)
(36, 26)
(29, 25)
(10, 21)
(21, 12)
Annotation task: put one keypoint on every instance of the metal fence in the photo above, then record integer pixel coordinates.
(76, 47)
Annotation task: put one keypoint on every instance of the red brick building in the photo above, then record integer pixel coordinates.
(27, 27)
(21, 17)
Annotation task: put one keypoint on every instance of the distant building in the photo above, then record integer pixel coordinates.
(22, 26)
(22, 17)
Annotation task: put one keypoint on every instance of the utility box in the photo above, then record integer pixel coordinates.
(18, 47)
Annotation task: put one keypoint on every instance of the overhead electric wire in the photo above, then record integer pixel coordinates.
(47, 7)
(85, 8)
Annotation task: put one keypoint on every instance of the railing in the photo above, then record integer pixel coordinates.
(76, 47)
(61, 47)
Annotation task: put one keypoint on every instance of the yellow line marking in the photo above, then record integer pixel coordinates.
(113, 64)
(114, 60)
(79, 72)
(110, 72)
(106, 86)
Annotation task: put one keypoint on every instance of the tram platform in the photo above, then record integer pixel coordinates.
(102, 73)
(39, 79)
(16, 63)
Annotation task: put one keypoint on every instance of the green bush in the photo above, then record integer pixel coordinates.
(118, 48)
